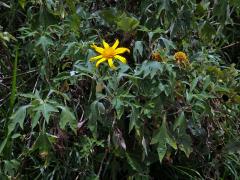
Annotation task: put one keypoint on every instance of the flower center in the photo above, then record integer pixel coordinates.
(108, 53)
(180, 56)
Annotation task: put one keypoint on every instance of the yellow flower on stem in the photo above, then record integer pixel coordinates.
(109, 53)
(181, 57)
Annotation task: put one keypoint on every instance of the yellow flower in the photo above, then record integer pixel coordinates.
(109, 53)
(181, 57)
(156, 56)
(159, 55)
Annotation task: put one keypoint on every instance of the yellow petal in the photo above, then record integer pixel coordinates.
(98, 49)
(115, 45)
(106, 45)
(110, 62)
(95, 58)
(121, 50)
(100, 61)
(122, 59)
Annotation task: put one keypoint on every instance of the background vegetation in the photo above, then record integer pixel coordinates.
(61, 118)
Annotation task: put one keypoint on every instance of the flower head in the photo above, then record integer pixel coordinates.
(181, 57)
(109, 53)
(156, 56)
(159, 55)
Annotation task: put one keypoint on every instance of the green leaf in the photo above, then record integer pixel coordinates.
(17, 117)
(46, 109)
(42, 143)
(4, 4)
(67, 117)
(119, 106)
(45, 42)
(194, 84)
(110, 15)
(96, 109)
(149, 68)
(183, 139)
(127, 24)
(133, 163)
(207, 31)
(35, 119)
(133, 119)
(179, 121)
(162, 138)
(138, 49)
(11, 166)
(185, 143)
(22, 3)
(168, 44)
(3, 144)
(161, 150)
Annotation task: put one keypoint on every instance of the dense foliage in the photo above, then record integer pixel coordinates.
(171, 112)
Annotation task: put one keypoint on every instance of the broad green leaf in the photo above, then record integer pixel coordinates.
(11, 166)
(133, 119)
(161, 150)
(134, 163)
(69, 46)
(138, 49)
(185, 143)
(162, 138)
(183, 139)
(18, 117)
(96, 110)
(168, 44)
(35, 119)
(67, 117)
(42, 144)
(119, 106)
(194, 84)
(110, 15)
(179, 121)
(207, 82)
(126, 23)
(45, 42)
(4, 4)
(46, 109)
(22, 3)
(4, 143)
(207, 31)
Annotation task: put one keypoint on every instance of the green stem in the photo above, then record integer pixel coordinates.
(14, 84)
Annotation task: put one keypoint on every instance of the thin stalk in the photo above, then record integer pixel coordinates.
(14, 84)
